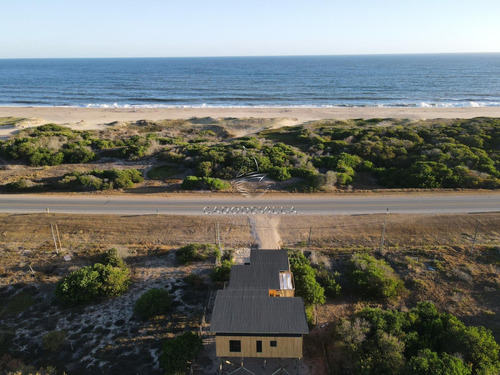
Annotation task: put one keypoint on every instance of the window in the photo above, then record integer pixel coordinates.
(259, 346)
(235, 346)
(273, 343)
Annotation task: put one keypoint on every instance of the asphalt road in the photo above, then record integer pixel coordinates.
(341, 205)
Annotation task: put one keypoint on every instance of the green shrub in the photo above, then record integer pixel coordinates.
(195, 282)
(304, 276)
(329, 283)
(179, 352)
(222, 272)
(193, 182)
(52, 341)
(161, 172)
(102, 179)
(280, 173)
(19, 185)
(374, 278)
(428, 362)
(419, 341)
(88, 284)
(153, 303)
(112, 258)
(196, 252)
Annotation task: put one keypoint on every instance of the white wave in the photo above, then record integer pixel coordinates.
(464, 104)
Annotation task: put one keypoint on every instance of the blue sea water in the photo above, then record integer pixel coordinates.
(441, 80)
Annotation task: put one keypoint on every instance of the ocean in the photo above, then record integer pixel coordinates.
(435, 80)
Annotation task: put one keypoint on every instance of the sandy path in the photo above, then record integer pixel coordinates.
(264, 229)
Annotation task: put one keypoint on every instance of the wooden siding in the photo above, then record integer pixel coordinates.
(281, 293)
(286, 347)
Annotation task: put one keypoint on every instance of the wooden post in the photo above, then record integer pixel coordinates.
(218, 236)
(58, 237)
(382, 238)
(54, 238)
(474, 239)
(309, 241)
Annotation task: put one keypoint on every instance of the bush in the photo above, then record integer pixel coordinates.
(193, 182)
(195, 282)
(178, 353)
(112, 258)
(421, 341)
(222, 272)
(374, 278)
(102, 179)
(196, 252)
(152, 303)
(304, 276)
(428, 362)
(52, 341)
(88, 284)
(329, 283)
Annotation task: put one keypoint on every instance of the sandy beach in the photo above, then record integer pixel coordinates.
(93, 117)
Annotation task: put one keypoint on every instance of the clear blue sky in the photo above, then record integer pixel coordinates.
(150, 28)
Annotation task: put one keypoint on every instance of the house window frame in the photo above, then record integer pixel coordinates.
(258, 346)
(235, 346)
(273, 343)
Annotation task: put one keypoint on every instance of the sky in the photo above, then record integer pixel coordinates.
(167, 28)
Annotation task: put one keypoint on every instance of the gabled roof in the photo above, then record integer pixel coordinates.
(260, 276)
(277, 258)
(246, 314)
(243, 292)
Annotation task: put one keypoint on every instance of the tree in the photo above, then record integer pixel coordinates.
(374, 278)
(178, 353)
(306, 285)
(428, 362)
(89, 283)
(152, 303)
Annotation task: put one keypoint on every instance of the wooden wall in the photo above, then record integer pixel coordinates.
(286, 347)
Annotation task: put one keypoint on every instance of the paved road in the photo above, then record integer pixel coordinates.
(424, 203)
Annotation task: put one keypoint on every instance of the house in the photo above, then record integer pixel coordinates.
(257, 315)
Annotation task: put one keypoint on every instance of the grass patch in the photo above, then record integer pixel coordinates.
(52, 341)
(9, 121)
(162, 172)
(17, 304)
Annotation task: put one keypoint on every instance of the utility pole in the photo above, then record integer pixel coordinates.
(309, 241)
(474, 239)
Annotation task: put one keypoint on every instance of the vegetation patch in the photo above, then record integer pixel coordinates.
(304, 276)
(52, 341)
(91, 283)
(153, 303)
(179, 352)
(16, 304)
(101, 180)
(161, 172)
(373, 278)
(196, 252)
(421, 341)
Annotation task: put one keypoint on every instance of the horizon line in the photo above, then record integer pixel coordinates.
(249, 56)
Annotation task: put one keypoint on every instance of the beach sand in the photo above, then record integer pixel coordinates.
(91, 117)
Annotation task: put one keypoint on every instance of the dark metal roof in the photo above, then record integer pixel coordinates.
(261, 276)
(258, 315)
(243, 292)
(279, 258)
